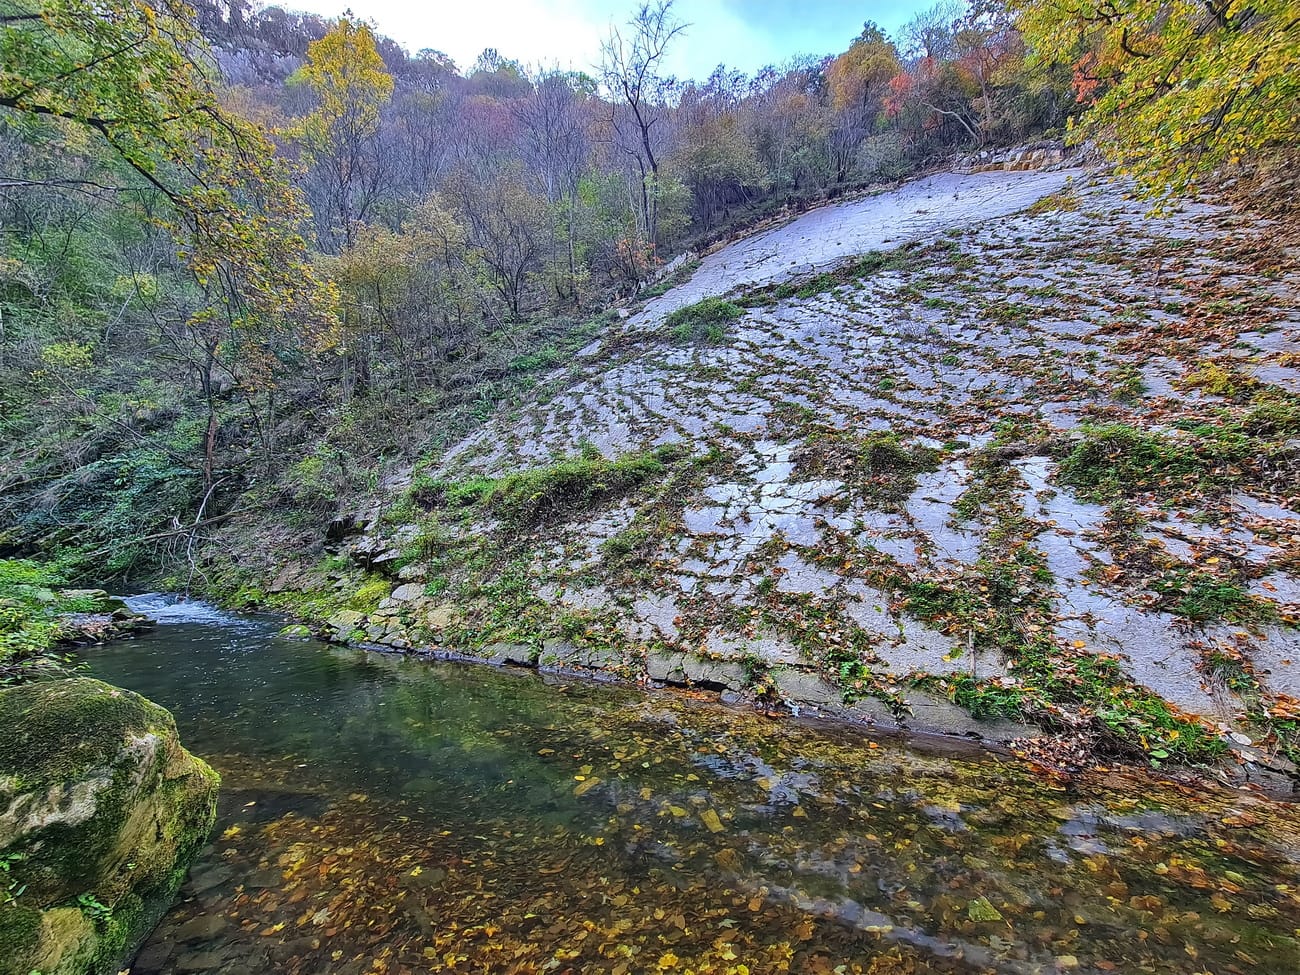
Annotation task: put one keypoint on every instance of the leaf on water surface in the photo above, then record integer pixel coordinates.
(586, 786)
(711, 821)
(981, 910)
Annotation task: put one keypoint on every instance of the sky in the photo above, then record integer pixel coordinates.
(744, 34)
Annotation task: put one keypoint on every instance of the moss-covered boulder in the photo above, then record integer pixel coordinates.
(101, 811)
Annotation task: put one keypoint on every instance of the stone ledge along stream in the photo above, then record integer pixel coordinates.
(1055, 384)
(383, 814)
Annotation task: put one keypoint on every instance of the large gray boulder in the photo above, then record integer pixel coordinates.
(101, 811)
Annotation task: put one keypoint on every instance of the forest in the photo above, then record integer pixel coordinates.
(254, 261)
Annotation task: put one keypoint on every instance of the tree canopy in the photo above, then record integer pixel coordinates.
(138, 74)
(1176, 89)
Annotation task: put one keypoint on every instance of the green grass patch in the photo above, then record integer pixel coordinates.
(1062, 201)
(869, 264)
(1202, 597)
(880, 467)
(1129, 386)
(1116, 460)
(984, 700)
(532, 497)
(705, 321)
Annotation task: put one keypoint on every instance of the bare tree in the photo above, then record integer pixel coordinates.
(930, 33)
(630, 69)
(554, 122)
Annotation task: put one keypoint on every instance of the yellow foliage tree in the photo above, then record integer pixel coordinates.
(138, 75)
(348, 77)
(858, 77)
(1176, 89)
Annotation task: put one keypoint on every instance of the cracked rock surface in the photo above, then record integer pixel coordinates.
(1044, 422)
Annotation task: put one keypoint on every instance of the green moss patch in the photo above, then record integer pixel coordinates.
(109, 810)
(531, 497)
(879, 467)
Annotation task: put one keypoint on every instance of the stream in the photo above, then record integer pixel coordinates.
(383, 814)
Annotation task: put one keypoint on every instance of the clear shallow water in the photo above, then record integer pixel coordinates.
(386, 815)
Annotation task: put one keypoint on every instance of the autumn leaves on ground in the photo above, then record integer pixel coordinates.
(404, 816)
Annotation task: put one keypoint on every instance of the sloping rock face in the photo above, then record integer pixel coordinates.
(101, 811)
(1005, 442)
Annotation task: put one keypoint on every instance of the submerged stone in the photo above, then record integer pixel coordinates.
(101, 811)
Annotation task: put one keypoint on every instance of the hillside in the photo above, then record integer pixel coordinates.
(984, 453)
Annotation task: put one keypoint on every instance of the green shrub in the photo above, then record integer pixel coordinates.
(29, 619)
(704, 321)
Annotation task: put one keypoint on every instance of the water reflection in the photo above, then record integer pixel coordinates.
(386, 815)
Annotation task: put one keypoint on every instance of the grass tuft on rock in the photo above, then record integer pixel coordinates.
(529, 498)
(704, 321)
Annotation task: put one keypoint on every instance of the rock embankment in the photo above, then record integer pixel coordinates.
(108, 618)
(984, 451)
(101, 811)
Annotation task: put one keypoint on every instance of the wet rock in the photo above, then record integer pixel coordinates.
(200, 961)
(933, 713)
(805, 687)
(205, 927)
(152, 958)
(726, 674)
(291, 950)
(201, 881)
(510, 654)
(665, 667)
(264, 879)
(92, 777)
(561, 654)
(108, 618)
(345, 621)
